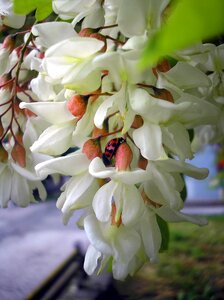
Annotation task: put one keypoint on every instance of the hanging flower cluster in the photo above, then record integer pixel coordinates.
(74, 102)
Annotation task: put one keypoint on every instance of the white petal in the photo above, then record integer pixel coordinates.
(95, 235)
(130, 177)
(176, 138)
(173, 165)
(102, 201)
(20, 192)
(98, 169)
(71, 164)
(52, 112)
(50, 33)
(186, 76)
(54, 140)
(76, 188)
(148, 139)
(126, 244)
(91, 260)
(171, 215)
(106, 108)
(151, 235)
(5, 185)
(77, 47)
(132, 205)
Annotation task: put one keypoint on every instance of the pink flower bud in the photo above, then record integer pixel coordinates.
(19, 154)
(9, 43)
(123, 157)
(86, 32)
(92, 149)
(77, 106)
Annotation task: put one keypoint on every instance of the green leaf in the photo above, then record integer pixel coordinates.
(189, 22)
(163, 226)
(43, 8)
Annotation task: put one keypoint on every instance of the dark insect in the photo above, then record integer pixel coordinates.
(110, 150)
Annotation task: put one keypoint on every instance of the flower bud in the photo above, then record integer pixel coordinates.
(9, 43)
(164, 95)
(77, 106)
(123, 157)
(3, 154)
(164, 66)
(18, 154)
(138, 122)
(92, 149)
(98, 132)
(86, 32)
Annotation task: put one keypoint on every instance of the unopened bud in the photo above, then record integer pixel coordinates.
(164, 66)
(92, 149)
(142, 162)
(98, 132)
(9, 43)
(77, 106)
(123, 157)
(6, 82)
(138, 122)
(164, 95)
(102, 38)
(3, 154)
(86, 32)
(18, 152)
(41, 55)
(29, 113)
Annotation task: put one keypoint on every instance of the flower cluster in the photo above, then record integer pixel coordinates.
(74, 102)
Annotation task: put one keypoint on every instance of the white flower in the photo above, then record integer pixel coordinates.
(107, 240)
(90, 10)
(69, 62)
(49, 33)
(137, 16)
(78, 191)
(57, 138)
(7, 17)
(164, 182)
(120, 190)
(158, 114)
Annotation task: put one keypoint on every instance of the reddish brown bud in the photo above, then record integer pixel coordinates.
(6, 82)
(138, 122)
(102, 38)
(19, 154)
(92, 149)
(29, 113)
(9, 43)
(3, 154)
(41, 55)
(164, 66)
(77, 106)
(142, 162)
(164, 95)
(98, 132)
(86, 32)
(123, 157)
